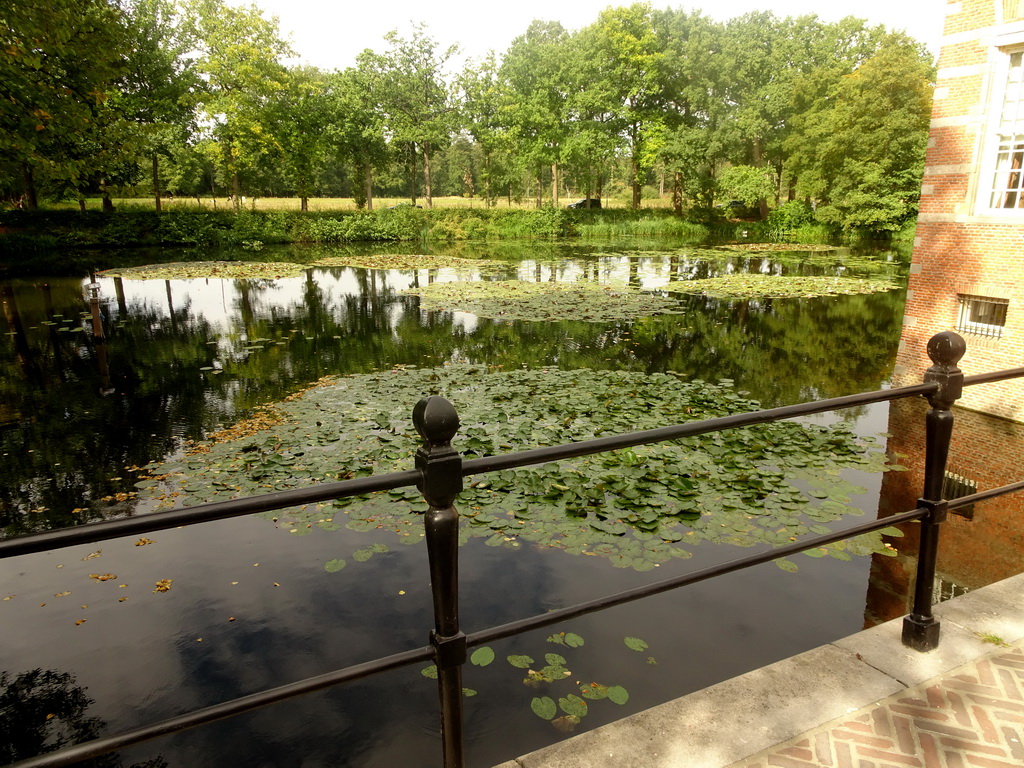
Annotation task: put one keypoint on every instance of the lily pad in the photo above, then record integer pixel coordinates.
(407, 262)
(638, 508)
(747, 286)
(224, 270)
(540, 302)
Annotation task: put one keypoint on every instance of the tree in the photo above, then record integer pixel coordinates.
(628, 58)
(355, 128)
(485, 98)
(409, 81)
(297, 117)
(860, 151)
(534, 112)
(59, 60)
(240, 63)
(159, 86)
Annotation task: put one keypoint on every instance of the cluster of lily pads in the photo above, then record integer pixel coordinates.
(555, 672)
(222, 270)
(637, 508)
(747, 286)
(547, 301)
(407, 262)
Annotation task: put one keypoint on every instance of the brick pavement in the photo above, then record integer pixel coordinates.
(971, 717)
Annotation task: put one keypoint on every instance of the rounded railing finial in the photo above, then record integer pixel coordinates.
(435, 419)
(946, 348)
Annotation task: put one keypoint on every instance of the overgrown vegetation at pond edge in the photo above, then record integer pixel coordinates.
(638, 507)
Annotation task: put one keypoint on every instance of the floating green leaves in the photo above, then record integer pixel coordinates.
(520, 300)
(483, 656)
(544, 707)
(407, 262)
(570, 639)
(224, 270)
(776, 247)
(635, 644)
(636, 508)
(748, 286)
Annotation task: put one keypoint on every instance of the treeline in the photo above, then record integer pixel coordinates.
(195, 98)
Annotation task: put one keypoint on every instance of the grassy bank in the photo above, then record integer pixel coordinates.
(36, 231)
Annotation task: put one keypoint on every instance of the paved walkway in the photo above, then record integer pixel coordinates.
(865, 701)
(973, 716)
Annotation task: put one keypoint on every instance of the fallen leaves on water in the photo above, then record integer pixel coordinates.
(91, 555)
(143, 542)
(163, 585)
(102, 576)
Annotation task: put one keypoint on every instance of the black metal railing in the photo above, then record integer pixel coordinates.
(439, 470)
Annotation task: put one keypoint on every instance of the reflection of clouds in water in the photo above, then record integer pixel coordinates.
(142, 660)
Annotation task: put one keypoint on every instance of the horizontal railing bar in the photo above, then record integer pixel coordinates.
(689, 429)
(991, 493)
(988, 378)
(629, 595)
(102, 746)
(203, 513)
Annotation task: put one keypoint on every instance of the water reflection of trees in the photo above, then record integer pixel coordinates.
(68, 445)
(42, 711)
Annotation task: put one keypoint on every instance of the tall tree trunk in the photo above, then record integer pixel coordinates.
(634, 165)
(31, 196)
(762, 204)
(368, 185)
(554, 184)
(236, 188)
(412, 172)
(156, 181)
(677, 193)
(426, 175)
(540, 189)
(304, 204)
(487, 179)
(81, 202)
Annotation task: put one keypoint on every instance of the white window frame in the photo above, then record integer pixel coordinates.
(965, 324)
(1001, 181)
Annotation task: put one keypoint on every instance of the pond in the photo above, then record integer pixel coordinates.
(102, 376)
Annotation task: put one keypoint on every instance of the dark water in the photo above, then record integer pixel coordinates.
(92, 387)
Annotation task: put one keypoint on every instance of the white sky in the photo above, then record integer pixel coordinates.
(330, 34)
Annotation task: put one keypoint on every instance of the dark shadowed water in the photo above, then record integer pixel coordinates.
(98, 380)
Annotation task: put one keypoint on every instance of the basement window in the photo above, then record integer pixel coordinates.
(956, 486)
(982, 316)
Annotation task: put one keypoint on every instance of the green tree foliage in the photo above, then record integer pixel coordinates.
(409, 82)
(860, 150)
(59, 60)
(534, 70)
(159, 86)
(836, 113)
(628, 57)
(240, 63)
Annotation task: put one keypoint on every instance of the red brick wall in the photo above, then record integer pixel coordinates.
(956, 251)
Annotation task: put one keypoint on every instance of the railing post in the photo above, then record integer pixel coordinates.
(440, 482)
(921, 628)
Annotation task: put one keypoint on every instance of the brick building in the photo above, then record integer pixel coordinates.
(968, 264)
